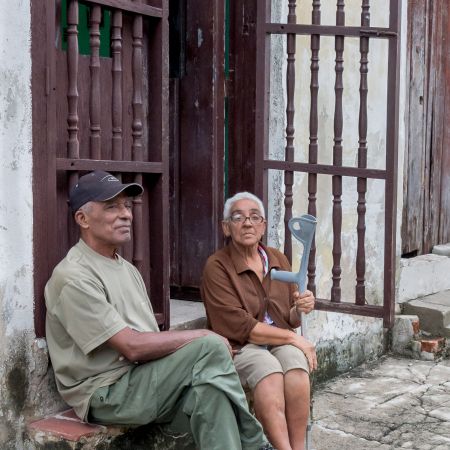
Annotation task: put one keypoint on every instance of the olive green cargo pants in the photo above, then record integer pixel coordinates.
(196, 390)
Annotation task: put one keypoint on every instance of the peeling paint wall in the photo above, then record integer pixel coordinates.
(334, 330)
(16, 220)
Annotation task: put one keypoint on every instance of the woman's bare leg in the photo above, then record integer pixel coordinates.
(269, 404)
(297, 395)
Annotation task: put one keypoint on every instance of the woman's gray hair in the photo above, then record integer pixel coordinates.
(242, 196)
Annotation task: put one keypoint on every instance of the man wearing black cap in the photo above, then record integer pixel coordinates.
(111, 363)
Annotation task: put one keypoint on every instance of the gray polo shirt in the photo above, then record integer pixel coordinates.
(89, 299)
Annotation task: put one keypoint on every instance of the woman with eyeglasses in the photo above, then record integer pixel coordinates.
(259, 317)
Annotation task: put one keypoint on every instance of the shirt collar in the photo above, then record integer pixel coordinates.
(240, 264)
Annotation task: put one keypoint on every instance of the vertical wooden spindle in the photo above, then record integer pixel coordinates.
(137, 125)
(337, 158)
(116, 44)
(94, 99)
(73, 145)
(313, 145)
(362, 159)
(290, 111)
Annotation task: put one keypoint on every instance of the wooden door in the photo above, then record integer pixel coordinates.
(426, 212)
(197, 94)
(101, 105)
(212, 123)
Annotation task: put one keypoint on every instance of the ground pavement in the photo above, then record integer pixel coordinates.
(394, 403)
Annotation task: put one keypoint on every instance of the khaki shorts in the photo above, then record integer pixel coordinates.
(255, 362)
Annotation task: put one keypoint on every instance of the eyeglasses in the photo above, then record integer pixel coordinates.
(255, 219)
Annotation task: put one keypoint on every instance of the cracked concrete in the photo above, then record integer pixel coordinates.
(393, 403)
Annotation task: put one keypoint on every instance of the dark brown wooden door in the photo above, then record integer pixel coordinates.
(101, 105)
(212, 123)
(197, 94)
(426, 212)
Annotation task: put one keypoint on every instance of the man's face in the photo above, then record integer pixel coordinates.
(107, 225)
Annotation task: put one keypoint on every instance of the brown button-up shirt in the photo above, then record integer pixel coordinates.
(236, 300)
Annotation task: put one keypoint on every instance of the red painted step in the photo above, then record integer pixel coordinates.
(66, 425)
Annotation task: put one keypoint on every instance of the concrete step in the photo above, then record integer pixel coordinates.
(442, 249)
(422, 275)
(187, 315)
(433, 312)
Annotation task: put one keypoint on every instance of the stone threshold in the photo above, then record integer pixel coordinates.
(187, 315)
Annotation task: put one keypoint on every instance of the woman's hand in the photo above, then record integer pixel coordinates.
(308, 349)
(263, 334)
(304, 302)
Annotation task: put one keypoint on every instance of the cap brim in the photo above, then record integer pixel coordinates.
(131, 189)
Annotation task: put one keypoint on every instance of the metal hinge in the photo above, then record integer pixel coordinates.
(368, 32)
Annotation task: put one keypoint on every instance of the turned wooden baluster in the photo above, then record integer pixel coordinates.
(290, 110)
(137, 128)
(94, 99)
(73, 145)
(362, 159)
(313, 145)
(116, 45)
(337, 158)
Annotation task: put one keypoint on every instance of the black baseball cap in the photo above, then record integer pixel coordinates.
(99, 186)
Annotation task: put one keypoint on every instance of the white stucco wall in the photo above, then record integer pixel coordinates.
(16, 218)
(323, 327)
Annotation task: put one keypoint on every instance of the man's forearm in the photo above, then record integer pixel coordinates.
(146, 346)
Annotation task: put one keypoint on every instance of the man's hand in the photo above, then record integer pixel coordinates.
(304, 302)
(204, 332)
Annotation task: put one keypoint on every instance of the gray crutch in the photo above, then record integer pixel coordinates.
(302, 228)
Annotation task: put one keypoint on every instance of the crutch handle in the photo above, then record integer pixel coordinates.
(302, 228)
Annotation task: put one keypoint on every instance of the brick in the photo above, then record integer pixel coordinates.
(416, 326)
(65, 430)
(67, 426)
(432, 345)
